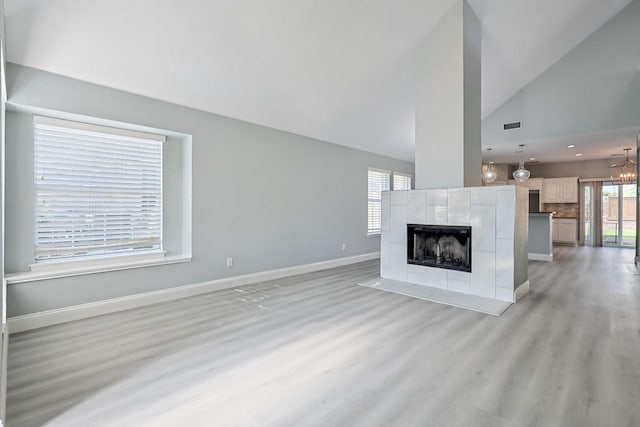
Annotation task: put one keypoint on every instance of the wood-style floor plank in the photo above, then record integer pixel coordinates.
(319, 350)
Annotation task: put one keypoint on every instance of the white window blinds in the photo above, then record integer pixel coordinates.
(98, 190)
(401, 181)
(379, 181)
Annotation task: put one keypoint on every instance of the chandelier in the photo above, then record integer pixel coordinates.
(521, 174)
(627, 168)
(489, 175)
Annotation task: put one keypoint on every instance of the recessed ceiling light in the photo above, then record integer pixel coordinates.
(532, 158)
(571, 146)
(491, 163)
(578, 154)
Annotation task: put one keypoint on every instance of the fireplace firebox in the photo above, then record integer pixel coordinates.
(441, 246)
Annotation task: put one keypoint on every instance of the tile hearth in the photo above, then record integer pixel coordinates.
(442, 296)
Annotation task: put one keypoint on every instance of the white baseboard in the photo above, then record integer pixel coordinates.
(521, 291)
(541, 257)
(62, 315)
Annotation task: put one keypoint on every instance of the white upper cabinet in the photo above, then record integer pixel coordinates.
(531, 183)
(534, 183)
(560, 190)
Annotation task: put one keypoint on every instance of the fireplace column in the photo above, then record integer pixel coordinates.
(448, 116)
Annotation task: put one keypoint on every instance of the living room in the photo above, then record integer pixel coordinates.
(258, 126)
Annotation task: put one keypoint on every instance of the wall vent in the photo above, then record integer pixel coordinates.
(512, 125)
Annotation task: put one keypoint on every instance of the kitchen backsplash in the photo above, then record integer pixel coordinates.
(563, 210)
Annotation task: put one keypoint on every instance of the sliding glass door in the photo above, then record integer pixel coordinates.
(628, 215)
(619, 215)
(587, 215)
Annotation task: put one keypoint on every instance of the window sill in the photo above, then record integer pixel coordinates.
(59, 270)
(376, 234)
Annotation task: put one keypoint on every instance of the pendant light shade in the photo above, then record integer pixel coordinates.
(489, 175)
(521, 174)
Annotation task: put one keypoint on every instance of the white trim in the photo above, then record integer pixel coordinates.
(471, 302)
(379, 170)
(62, 315)
(62, 115)
(521, 291)
(96, 266)
(97, 261)
(406, 175)
(541, 257)
(87, 127)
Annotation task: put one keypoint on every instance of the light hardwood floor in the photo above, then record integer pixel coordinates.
(318, 350)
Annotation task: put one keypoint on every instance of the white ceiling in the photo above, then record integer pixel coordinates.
(340, 71)
(605, 145)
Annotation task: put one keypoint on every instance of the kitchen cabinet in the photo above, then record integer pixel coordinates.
(564, 230)
(560, 190)
(531, 183)
(534, 183)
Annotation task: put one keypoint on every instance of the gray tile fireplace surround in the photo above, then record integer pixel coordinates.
(498, 217)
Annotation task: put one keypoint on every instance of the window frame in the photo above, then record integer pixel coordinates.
(404, 175)
(391, 175)
(106, 261)
(373, 232)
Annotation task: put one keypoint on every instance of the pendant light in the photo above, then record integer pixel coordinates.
(521, 175)
(627, 169)
(489, 175)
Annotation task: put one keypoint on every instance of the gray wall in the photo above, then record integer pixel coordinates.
(594, 88)
(521, 250)
(2, 158)
(4, 341)
(267, 198)
(582, 169)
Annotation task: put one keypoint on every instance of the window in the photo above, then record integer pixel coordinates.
(378, 182)
(98, 190)
(401, 181)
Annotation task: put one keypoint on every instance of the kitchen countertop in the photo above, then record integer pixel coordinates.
(555, 216)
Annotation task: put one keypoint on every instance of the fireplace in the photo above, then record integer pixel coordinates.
(441, 246)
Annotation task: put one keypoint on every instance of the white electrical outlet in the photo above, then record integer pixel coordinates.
(344, 247)
(229, 262)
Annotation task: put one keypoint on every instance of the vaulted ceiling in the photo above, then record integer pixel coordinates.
(340, 71)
